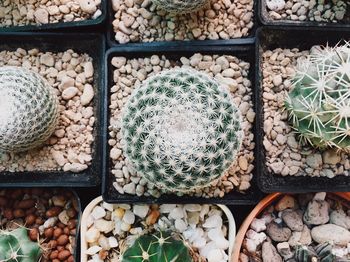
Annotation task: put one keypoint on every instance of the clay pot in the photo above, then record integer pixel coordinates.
(262, 205)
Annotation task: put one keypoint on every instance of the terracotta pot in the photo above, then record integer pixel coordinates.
(263, 204)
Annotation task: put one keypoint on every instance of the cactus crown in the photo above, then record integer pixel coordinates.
(159, 247)
(319, 103)
(180, 6)
(181, 130)
(321, 253)
(15, 246)
(28, 109)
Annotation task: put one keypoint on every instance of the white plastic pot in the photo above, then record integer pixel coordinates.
(98, 200)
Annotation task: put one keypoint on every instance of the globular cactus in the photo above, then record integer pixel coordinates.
(28, 109)
(159, 247)
(319, 103)
(321, 253)
(15, 246)
(181, 130)
(180, 6)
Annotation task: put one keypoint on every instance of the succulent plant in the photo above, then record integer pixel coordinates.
(159, 247)
(181, 130)
(321, 253)
(28, 109)
(180, 6)
(319, 103)
(15, 246)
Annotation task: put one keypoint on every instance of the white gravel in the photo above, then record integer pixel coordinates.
(203, 227)
(70, 147)
(306, 10)
(141, 21)
(34, 12)
(284, 154)
(229, 70)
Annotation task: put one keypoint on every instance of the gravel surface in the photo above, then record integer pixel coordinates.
(299, 220)
(38, 12)
(112, 228)
(306, 10)
(141, 21)
(229, 70)
(70, 147)
(284, 154)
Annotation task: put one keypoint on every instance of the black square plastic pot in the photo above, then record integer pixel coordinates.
(250, 39)
(61, 25)
(244, 52)
(269, 38)
(263, 15)
(94, 45)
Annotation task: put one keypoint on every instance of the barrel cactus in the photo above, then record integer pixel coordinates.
(319, 103)
(181, 130)
(180, 6)
(15, 246)
(28, 109)
(159, 247)
(321, 253)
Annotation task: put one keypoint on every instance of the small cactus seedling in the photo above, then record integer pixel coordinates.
(15, 246)
(319, 103)
(160, 247)
(180, 6)
(28, 109)
(321, 253)
(181, 130)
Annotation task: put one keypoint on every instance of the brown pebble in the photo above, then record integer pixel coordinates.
(62, 240)
(64, 254)
(57, 232)
(53, 211)
(18, 213)
(39, 221)
(71, 224)
(48, 232)
(52, 244)
(30, 220)
(34, 234)
(26, 204)
(54, 254)
(8, 214)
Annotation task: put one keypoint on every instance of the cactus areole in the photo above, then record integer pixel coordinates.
(159, 247)
(181, 130)
(180, 6)
(15, 246)
(28, 109)
(319, 103)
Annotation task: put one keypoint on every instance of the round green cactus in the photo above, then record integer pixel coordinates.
(181, 130)
(160, 247)
(180, 6)
(28, 109)
(15, 246)
(321, 253)
(319, 103)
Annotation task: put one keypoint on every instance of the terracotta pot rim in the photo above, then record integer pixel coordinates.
(265, 202)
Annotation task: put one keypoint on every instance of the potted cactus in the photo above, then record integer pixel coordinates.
(166, 20)
(304, 112)
(38, 224)
(198, 129)
(168, 232)
(301, 228)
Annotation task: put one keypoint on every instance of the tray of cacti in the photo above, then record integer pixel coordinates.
(18, 16)
(156, 233)
(303, 110)
(39, 225)
(170, 22)
(315, 13)
(51, 109)
(176, 133)
(296, 228)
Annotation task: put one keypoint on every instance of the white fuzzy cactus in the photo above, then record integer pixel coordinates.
(180, 6)
(181, 130)
(28, 109)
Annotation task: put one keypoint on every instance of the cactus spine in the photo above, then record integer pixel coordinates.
(160, 247)
(181, 130)
(15, 246)
(28, 109)
(321, 253)
(180, 6)
(319, 103)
